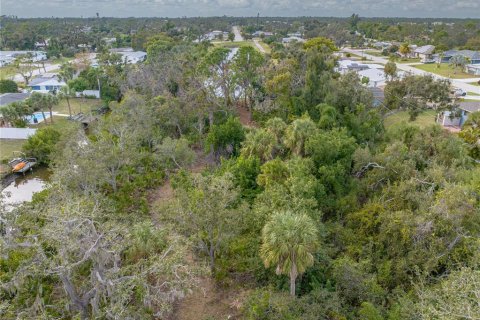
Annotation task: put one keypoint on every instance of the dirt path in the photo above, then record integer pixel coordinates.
(209, 302)
(245, 116)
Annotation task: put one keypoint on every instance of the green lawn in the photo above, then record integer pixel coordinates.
(444, 70)
(7, 72)
(78, 105)
(7, 146)
(425, 119)
(265, 46)
(408, 60)
(474, 84)
(230, 44)
(374, 53)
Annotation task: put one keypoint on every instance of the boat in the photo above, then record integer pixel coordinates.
(21, 163)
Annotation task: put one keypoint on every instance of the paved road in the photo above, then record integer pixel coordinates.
(37, 71)
(458, 83)
(238, 34)
(259, 46)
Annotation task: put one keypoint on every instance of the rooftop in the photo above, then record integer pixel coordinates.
(8, 98)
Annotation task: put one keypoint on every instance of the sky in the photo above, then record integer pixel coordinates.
(195, 8)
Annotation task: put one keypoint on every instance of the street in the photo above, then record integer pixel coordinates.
(458, 83)
(238, 34)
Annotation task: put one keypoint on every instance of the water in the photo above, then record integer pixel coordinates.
(19, 188)
(38, 116)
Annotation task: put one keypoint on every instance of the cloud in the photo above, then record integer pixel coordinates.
(392, 8)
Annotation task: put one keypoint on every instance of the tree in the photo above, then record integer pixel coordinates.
(15, 113)
(8, 86)
(247, 60)
(231, 36)
(175, 151)
(289, 241)
(67, 72)
(405, 49)
(226, 138)
(42, 144)
(297, 133)
(66, 93)
(471, 134)
(24, 65)
(205, 210)
(321, 44)
(458, 61)
(390, 70)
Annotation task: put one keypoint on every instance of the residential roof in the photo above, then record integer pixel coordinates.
(16, 133)
(466, 53)
(428, 49)
(8, 98)
(46, 81)
(469, 106)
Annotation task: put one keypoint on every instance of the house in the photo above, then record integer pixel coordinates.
(346, 65)
(291, 39)
(458, 116)
(133, 57)
(381, 45)
(46, 83)
(473, 69)
(8, 98)
(376, 77)
(425, 53)
(265, 34)
(473, 57)
(8, 57)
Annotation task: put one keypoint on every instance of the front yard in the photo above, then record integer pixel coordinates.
(445, 70)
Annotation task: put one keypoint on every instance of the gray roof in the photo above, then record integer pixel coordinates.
(16, 133)
(428, 49)
(466, 53)
(469, 106)
(8, 98)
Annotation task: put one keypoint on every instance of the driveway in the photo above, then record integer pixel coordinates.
(237, 33)
(458, 83)
(259, 46)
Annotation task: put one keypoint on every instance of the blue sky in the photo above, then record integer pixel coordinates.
(179, 8)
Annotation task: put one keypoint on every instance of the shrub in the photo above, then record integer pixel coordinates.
(8, 86)
(41, 144)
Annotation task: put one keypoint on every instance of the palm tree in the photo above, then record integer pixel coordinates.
(65, 93)
(405, 49)
(289, 241)
(458, 61)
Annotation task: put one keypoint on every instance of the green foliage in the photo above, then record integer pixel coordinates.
(42, 144)
(7, 86)
(226, 138)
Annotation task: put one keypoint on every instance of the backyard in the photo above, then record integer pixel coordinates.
(7, 146)
(425, 119)
(445, 70)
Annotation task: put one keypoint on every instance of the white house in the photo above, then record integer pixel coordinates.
(425, 53)
(292, 39)
(133, 57)
(376, 77)
(473, 69)
(7, 57)
(457, 117)
(46, 83)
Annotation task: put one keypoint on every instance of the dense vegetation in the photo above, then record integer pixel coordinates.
(314, 197)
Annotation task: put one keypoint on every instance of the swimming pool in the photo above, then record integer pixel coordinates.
(38, 116)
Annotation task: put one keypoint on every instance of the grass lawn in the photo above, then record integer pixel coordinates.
(374, 53)
(408, 60)
(7, 146)
(425, 119)
(230, 44)
(7, 72)
(473, 94)
(444, 70)
(474, 84)
(78, 105)
(265, 46)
